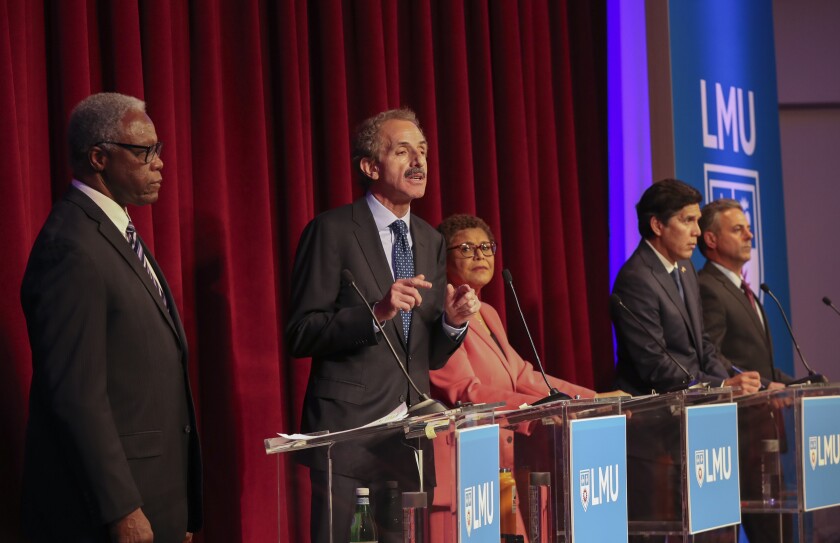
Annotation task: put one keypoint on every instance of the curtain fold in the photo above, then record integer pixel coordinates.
(255, 102)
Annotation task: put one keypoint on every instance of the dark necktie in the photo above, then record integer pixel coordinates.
(748, 292)
(137, 247)
(675, 273)
(403, 262)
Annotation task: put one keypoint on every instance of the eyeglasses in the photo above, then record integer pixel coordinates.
(151, 151)
(467, 250)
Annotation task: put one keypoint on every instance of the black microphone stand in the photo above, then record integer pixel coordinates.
(553, 393)
(426, 405)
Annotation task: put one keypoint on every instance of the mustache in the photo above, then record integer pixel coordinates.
(414, 171)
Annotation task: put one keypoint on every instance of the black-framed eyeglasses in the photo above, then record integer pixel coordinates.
(467, 250)
(151, 151)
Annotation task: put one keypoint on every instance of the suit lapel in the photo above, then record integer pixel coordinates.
(371, 245)
(120, 244)
(667, 283)
(740, 297)
(482, 334)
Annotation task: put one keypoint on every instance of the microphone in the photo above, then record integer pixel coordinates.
(827, 301)
(812, 377)
(691, 381)
(427, 405)
(553, 393)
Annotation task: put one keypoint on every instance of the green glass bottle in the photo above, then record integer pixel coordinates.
(363, 528)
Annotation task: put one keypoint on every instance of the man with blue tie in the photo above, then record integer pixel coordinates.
(399, 264)
(658, 284)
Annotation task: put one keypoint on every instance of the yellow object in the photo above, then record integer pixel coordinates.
(508, 500)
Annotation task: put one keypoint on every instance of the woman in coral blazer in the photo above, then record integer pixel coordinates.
(485, 368)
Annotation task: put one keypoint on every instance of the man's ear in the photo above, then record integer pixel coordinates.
(369, 167)
(656, 226)
(98, 159)
(710, 238)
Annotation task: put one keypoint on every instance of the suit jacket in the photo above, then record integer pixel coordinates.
(354, 378)
(734, 327)
(481, 372)
(651, 294)
(111, 421)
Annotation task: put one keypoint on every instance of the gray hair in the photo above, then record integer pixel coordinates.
(367, 143)
(709, 218)
(95, 119)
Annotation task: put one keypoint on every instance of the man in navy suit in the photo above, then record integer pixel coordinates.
(658, 283)
(112, 452)
(354, 378)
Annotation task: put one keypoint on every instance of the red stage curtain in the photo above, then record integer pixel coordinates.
(255, 102)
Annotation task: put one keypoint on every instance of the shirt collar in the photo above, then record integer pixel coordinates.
(382, 216)
(731, 275)
(669, 266)
(118, 215)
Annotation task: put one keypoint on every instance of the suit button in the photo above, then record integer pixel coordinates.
(510, 439)
(187, 429)
(402, 398)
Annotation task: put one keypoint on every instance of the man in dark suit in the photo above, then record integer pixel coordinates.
(354, 378)
(112, 452)
(733, 316)
(737, 325)
(659, 285)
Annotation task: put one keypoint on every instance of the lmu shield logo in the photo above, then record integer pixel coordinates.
(468, 508)
(813, 444)
(585, 488)
(700, 466)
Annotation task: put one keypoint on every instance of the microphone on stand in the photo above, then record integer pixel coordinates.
(427, 405)
(553, 393)
(827, 301)
(691, 382)
(812, 377)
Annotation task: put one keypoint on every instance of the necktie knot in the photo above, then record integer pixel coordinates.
(399, 228)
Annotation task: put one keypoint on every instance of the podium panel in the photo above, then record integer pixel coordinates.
(789, 488)
(661, 467)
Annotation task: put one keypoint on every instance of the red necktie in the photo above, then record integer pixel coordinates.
(748, 291)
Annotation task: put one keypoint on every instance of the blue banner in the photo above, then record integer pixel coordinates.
(598, 479)
(726, 129)
(714, 490)
(821, 452)
(478, 484)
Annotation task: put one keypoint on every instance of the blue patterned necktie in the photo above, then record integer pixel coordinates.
(675, 273)
(137, 247)
(403, 262)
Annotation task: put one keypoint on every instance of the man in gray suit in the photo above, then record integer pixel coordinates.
(659, 285)
(112, 452)
(733, 316)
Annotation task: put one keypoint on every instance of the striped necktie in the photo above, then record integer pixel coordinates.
(137, 247)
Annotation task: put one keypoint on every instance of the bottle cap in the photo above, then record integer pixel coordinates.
(362, 491)
(538, 478)
(391, 484)
(414, 500)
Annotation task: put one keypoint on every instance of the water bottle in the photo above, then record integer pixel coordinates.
(363, 528)
(770, 474)
(391, 507)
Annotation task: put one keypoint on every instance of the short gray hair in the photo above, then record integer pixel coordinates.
(709, 218)
(97, 118)
(368, 144)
